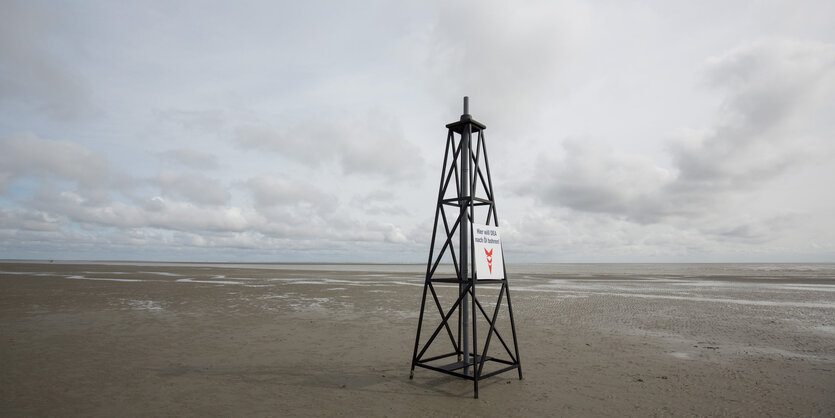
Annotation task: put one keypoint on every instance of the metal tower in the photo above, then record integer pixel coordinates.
(472, 208)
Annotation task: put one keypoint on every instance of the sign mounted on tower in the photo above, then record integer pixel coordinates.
(489, 262)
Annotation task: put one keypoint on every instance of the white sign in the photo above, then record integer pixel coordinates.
(489, 263)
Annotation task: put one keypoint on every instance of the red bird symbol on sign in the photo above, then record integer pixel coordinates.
(489, 259)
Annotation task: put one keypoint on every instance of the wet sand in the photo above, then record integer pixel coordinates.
(221, 340)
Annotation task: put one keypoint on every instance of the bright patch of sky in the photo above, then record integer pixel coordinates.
(314, 131)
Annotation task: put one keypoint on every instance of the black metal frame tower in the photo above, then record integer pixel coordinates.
(471, 199)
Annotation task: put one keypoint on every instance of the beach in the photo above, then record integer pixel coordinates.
(204, 339)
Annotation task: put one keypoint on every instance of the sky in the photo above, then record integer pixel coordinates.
(647, 131)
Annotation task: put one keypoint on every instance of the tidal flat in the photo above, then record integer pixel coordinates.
(226, 339)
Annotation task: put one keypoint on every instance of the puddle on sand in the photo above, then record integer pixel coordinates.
(102, 279)
(680, 355)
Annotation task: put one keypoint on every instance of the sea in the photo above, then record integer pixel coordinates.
(802, 271)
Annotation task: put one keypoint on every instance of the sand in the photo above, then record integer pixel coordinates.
(221, 340)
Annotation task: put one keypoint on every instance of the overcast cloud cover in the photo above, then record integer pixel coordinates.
(314, 131)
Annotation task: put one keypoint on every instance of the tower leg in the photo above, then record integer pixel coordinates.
(417, 334)
(513, 330)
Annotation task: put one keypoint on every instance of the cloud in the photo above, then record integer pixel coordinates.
(379, 202)
(507, 56)
(191, 158)
(594, 178)
(394, 235)
(372, 145)
(271, 191)
(368, 232)
(34, 220)
(154, 212)
(33, 68)
(772, 95)
(194, 120)
(561, 234)
(26, 155)
(775, 94)
(72, 196)
(262, 132)
(194, 187)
